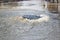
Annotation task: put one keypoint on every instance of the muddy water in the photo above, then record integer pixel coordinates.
(14, 27)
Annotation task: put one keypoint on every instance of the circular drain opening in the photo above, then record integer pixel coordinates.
(31, 17)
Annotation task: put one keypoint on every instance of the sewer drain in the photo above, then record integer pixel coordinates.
(31, 17)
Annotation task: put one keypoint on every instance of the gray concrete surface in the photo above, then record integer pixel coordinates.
(16, 30)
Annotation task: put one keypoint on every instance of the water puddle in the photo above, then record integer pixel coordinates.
(30, 18)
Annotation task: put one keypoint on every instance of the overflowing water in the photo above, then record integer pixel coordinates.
(15, 26)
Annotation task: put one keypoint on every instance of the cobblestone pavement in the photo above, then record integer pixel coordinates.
(17, 30)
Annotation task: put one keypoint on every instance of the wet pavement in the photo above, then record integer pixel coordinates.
(14, 28)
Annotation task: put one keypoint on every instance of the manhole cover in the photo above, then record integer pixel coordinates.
(31, 17)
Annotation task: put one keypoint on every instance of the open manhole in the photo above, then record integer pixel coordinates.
(35, 18)
(31, 17)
